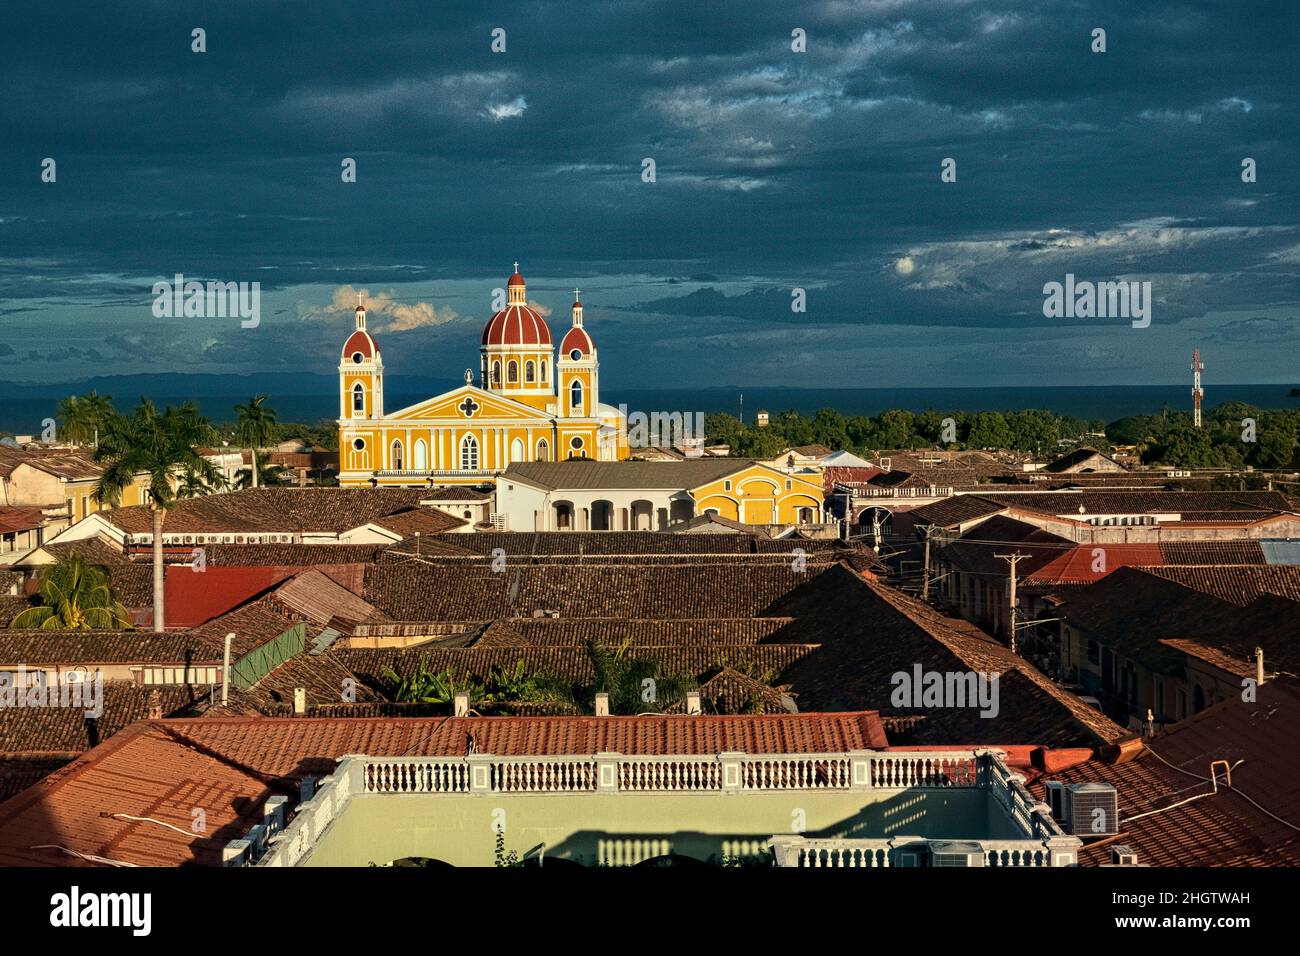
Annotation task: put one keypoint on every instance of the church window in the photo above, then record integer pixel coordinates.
(357, 357)
(512, 372)
(576, 354)
(575, 396)
(397, 456)
(575, 444)
(496, 373)
(517, 450)
(469, 453)
(359, 444)
(543, 370)
(421, 462)
(543, 451)
(530, 372)
(358, 398)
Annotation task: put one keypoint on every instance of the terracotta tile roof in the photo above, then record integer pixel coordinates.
(266, 510)
(691, 473)
(570, 662)
(613, 631)
(1074, 458)
(20, 519)
(291, 555)
(1238, 584)
(848, 475)
(253, 625)
(41, 647)
(95, 550)
(60, 730)
(229, 766)
(1224, 829)
(434, 590)
(728, 691)
(955, 510)
(1192, 505)
(869, 631)
(420, 521)
(1210, 552)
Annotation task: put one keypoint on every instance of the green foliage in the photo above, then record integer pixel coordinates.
(76, 596)
(1035, 431)
(500, 857)
(1171, 439)
(426, 686)
(623, 677)
(163, 446)
(81, 417)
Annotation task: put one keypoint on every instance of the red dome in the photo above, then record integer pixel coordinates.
(517, 325)
(360, 341)
(515, 279)
(576, 338)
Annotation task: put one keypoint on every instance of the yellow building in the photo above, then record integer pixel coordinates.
(528, 406)
(759, 494)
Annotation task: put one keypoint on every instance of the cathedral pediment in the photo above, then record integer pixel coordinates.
(466, 404)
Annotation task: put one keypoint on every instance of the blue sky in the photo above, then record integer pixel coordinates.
(775, 170)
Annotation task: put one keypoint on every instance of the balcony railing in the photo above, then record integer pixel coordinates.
(369, 777)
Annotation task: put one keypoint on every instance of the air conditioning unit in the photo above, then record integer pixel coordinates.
(1123, 856)
(1056, 800)
(1092, 810)
(911, 855)
(953, 853)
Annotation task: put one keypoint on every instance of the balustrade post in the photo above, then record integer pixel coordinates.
(860, 764)
(607, 770)
(480, 772)
(732, 771)
(1064, 850)
(787, 849)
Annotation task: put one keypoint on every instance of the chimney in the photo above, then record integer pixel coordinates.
(693, 703)
(461, 706)
(602, 705)
(306, 789)
(1259, 666)
(300, 701)
(155, 705)
(1123, 856)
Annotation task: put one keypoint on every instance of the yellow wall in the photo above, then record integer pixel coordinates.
(759, 495)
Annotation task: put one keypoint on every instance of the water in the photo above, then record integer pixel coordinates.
(23, 413)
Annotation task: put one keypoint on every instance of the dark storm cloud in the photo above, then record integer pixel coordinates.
(774, 169)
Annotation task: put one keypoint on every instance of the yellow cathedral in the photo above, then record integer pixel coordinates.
(529, 405)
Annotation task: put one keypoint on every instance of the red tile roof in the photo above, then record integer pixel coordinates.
(229, 766)
(1078, 566)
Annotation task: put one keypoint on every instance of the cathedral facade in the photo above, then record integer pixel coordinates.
(530, 404)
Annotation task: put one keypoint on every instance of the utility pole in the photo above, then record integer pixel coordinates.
(930, 531)
(1013, 560)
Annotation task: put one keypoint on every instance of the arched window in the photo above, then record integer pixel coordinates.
(496, 373)
(575, 397)
(517, 450)
(358, 398)
(421, 457)
(543, 451)
(469, 453)
(396, 457)
(512, 372)
(543, 370)
(530, 372)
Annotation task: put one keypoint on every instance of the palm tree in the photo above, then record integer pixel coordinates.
(76, 596)
(82, 416)
(255, 426)
(636, 684)
(163, 447)
(266, 475)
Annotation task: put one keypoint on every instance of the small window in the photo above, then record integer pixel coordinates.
(1094, 652)
(788, 484)
(496, 373)
(575, 443)
(576, 355)
(358, 398)
(359, 444)
(726, 486)
(512, 372)
(530, 372)
(357, 357)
